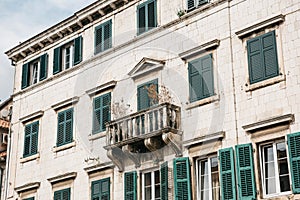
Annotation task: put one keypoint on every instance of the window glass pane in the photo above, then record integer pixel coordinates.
(270, 186)
(269, 170)
(268, 153)
(147, 179)
(281, 150)
(156, 174)
(148, 193)
(204, 167)
(205, 195)
(284, 183)
(214, 164)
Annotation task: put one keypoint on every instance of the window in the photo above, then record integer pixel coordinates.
(201, 80)
(65, 127)
(34, 71)
(151, 185)
(147, 94)
(67, 55)
(101, 113)
(208, 179)
(262, 57)
(146, 16)
(64, 194)
(101, 189)
(274, 168)
(103, 37)
(192, 4)
(31, 139)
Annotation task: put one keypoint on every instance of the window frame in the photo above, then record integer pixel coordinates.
(198, 174)
(102, 43)
(64, 122)
(153, 184)
(70, 46)
(31, 124)
(146, 28)
(101, 181)
(101, 96)
(61, 192)
(262, 173)
(196, 4)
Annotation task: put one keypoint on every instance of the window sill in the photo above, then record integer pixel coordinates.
(64, 147)
(264, 83)
(202, 102)
(96, 136)
(277, 195)
(30, 158)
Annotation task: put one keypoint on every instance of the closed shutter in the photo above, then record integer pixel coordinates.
(96, 190)
(194, 80)
(43, 67)
(200, 2)
(182, 183)
(57, 195)
(207, 76)
(164, 181)
(60, 128)
(190, 4)
(98, 39)
(245, 172)
(141, 19)
(64, 194)
(105, 189)
(65, 127)
(107, 35)
(151, 15)
(101, 113)
(294, 155)
(130, 190)
(262, 57)
(77, 50)
(27, 141)
(31, 139)
(227, 174)
(25, 76)
(31, 198)
(57, 60)
(105, 110)
(97, 114)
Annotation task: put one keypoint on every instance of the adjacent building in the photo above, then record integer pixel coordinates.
(159, 99)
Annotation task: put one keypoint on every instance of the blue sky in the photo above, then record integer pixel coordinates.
(22, 19)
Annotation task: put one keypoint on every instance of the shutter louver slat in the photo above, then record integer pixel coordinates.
(107, 36)
(294, 155)
(43, 67)
(31, 139)
(65, 127)
(190, 4)
(245, 171)
(182, 179)
(207, 76)
(201, 2)
(98, 39)
(130, 192)
(269, 52)
(77, 50)
(25, 76)
(141, 19)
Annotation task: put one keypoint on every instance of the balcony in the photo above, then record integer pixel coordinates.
(145, 131)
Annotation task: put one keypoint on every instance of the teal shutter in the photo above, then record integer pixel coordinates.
(227, 174)
(43, 66)
(151, 18)
(64, 194)
(103, 37)
(101, 189)
(65, 127)
(31, 198)
(25, 76)
(130, 186)
(57, 60)
(245, 172)
(201, 78)
(141, 19)
(98, 39)
(101, 114)
(146, 16)
(191, 4)
(77, 50)
(182, 176)
(143, 99)
(164, 181)
(294, 155)
(202, 2)
(262, 57)
(31, 139)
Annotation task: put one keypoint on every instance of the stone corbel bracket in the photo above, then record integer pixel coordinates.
(132, 156)
(154, 146)
(116, 155)
(174, 141)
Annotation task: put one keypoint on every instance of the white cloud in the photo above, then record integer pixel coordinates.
(21, 20)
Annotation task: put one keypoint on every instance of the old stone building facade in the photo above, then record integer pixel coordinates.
(159, 99)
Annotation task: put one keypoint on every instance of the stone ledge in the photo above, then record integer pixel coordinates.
(206, 138)
(30, 158)
(65, 103)
(28, 186)
(263, 124)
(32, 116)
(99, 167)
(202, 102)
(264, 83)
(101, 88)
(62, 177)
(260, 25)
(96, 136)
(64, 147)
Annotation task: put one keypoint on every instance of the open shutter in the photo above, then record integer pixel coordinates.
(34, 138)
(107, 34)
(57, 60)
(294, 155)
(269, 52)
(130, 190)
(164, 181)
(106, 99)
(190, 4)
(77, 50)
(228, 190)
(25, 75)
(182, 183)
(69, 125)
(194, 80)
(43, 66)
(207, 76)
(245, 172)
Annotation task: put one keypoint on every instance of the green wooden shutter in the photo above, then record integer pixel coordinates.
(107, 35)
(207, 76)
(190, 4)
(294, 155)
(182, 183)
(31, 198)
(130, 190)
(143, 99)
(151, 17)
(57, 60)
(262, 57)
(106, 101)
(25, 76)
(69, 126)
(200, 2)
(227, 174)
(27, 139)
(141, 18)
(98, 39)
(60, 128)
(31, 139)
(77, 50)
(43, 66)
(245, 172)
(65, 127)
(96, 190)
(194, 80)
(164, 181)
(105, 189)
(64, 194)
(101, 114)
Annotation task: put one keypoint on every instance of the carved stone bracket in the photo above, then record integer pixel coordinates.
(154, 146)
(132, 156)
(173, 140)
(116, 155)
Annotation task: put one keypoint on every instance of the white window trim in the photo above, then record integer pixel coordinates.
(274, 142)
(63, 52)
(152, 183)
(209, 176)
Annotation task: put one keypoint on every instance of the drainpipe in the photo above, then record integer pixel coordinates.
(7, 160)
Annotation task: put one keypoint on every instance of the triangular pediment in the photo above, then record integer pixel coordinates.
(145, 66)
